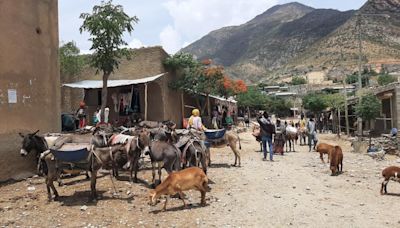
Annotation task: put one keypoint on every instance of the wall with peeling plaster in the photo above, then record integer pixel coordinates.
(29, 65)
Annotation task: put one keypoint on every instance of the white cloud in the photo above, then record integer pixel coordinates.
(86, 52)
(193, 19)
(170, 39)
(136, 43)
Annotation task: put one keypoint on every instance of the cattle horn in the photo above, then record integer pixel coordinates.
(20, 134)
(35, 132)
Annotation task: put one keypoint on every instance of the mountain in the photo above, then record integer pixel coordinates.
(294, 39)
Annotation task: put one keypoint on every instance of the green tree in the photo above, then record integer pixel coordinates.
(196, 78)
(336, 103)
(71, 63)
(279, 106)
(368, 108)
(253, 99)
(314, 102)
(107, 24)
(297, 80)
(385, 79)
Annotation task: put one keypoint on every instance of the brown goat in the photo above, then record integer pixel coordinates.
(177, 182)
(324, 148)
(336, 157)
(389, 173)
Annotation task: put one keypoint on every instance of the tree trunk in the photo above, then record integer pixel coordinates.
(339, 127)
(208, 105)
(104, 96)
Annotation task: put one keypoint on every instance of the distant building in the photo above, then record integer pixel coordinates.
(29, 78)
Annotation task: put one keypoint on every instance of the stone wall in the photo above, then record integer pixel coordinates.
(29, 78)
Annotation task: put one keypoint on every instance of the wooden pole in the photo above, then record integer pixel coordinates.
(183, 106)
(145, 101)
(346, 108)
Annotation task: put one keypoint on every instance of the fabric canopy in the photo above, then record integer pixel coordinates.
(98, 84)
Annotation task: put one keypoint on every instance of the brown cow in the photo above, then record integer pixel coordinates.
(177, 182)
(389, 173)
(324, 148)
(336, 157)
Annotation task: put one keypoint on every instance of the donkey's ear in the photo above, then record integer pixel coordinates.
(22, 135)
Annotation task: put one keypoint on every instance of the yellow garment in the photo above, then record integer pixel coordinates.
(302, 123)
(195, 113)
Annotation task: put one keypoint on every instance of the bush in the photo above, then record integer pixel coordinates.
(385, 79)
(296, 80)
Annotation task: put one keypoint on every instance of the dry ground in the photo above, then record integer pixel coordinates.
(295, 190)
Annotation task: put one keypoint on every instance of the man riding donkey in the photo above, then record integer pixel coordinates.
(267, 131)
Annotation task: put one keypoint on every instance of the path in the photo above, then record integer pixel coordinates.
(295, 190)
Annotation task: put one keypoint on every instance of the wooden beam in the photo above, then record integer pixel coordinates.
(145, 101)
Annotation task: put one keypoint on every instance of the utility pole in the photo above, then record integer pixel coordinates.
(346, 109)
(359, 120)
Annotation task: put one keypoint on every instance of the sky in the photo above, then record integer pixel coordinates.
(174, 24)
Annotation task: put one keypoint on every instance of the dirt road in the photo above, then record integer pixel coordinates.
(296, 190)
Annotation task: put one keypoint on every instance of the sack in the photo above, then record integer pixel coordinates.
(290, 129)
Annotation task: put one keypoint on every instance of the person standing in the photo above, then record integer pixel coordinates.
(267, 131)
(81, 114)
(312, 133)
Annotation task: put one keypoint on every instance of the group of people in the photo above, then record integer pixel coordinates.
(81, 116)
(268, 129)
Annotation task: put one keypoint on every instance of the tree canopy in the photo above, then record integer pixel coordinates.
(107, 24)
(314, 102)
(369, 107)
(202, 77)
(253, 98)
(71, 63)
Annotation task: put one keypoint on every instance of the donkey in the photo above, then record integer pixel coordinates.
(98, 158)
(164, 155)
(34, 143)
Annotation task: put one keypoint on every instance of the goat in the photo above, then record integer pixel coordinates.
(324, 148)
(177, 182)
(336, 157)
(389, 173)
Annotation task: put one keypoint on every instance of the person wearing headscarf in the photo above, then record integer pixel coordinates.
(195, 121)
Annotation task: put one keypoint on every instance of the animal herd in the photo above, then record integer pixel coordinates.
(334, 154)
(182, 153)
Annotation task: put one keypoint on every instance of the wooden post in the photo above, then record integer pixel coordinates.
(145, 101)
(339, 125)
(183, 106)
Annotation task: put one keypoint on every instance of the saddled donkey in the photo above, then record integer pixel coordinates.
(98, 158)
(291, 136)
(134, 147)
(194, 152)
(38, 144)
(164, 155)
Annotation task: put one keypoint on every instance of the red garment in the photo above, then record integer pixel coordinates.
(82, 123)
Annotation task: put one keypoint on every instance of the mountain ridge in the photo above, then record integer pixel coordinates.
(293, 39)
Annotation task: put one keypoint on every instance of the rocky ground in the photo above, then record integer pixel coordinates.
(295, 190)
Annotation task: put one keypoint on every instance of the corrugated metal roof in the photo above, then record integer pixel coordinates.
(98, 84)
